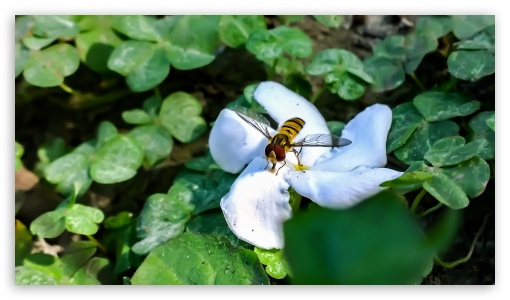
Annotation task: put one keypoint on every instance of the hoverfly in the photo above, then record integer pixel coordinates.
(282, 142)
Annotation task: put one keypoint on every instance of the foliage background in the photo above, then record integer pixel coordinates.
(203, 85)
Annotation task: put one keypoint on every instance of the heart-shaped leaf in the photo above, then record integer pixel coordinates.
(471, 64)
(49, 225)
(438, 25)
(136, 116)
(271, 44)
(405, 120)
(450, 151)
(49, 67)
(437, 106)
(83, 219)
(156, 141)
(330, 20)
(180, 114)
(482, 131)
(137, 27)
(387, 73)
(465, 26)
(235, 30)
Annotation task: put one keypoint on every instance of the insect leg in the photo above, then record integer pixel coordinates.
(297, 153)
(284, 163)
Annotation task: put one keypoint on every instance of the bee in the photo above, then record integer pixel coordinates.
(283, 141)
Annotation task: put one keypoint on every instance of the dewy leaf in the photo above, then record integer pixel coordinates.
(180, 114)
(471, 64)
(387, 74)
(471, 175)
(142, 63)
(465, 26)
(438, 25)
(423, 138)
(375, 242)
(445, 190)
(27, 276)
(193, 259)
(192, 41)
(271, 44)
(83, 219)
(405, 120)
(23, 243)
(437, 106)
(162, 218)
(482, 131)
(48, 225)
(273, 259)
(137, 27)
(213, 222)
(155, 140)
(47, 68)
(330, 20)
(450, 151)
(96, 45)
(136, 116)
(235, 30)
(117, 161)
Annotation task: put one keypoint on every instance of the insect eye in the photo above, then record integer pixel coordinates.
(280, 153)
(269, 148)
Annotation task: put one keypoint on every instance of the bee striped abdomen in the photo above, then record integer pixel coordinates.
(292, 127)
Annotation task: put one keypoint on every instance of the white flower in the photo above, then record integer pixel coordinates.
(258, 201)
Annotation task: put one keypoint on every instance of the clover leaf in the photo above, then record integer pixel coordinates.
(235, 30)
(437, 106)
(273, 43)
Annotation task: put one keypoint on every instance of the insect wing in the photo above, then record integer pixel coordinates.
(256, 120)
(322, 140)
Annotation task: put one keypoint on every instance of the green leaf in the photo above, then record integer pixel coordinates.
(418, 44)
(467, 26)
(423, 138)
(405, 120)
(387, 74)
(471, 175)
(445, 190)
(271, 44)
(18, 152)
(155, 140)
(36, 43)
(47, 68)
(274, 261)
(96, 46)
(142, 63)
(439, 25)
(491, 122)
(347, 86)
(450, 151)
(27, 276)
(180, 114)
(298, 84)
(192, 42)
(48, 225)
(205, 190)
(75, 256)
(22, 26)
(200, 259)
(482, 131)
(235, 30)
(471, 65)
(485, 39)
(285, 66)
(105, 132)
(408, 178)
(248, 93)
(96, 271)
(48, 264)
(202, 163)
(213, 222)
(162, 218)
(338, 62)
(59, 26)
(437, 106)
(137, 27)
(23, 243)
(49, 152)
(136, 116)
(21, 55)
(151, 106)
(330, 20)
(117, 161)
(375, 242)
(83, 219)
(393, 47)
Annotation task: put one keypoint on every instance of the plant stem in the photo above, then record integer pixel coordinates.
(471, 249)
(417, 81)
(417, 200)
(66, 88)
(319, 93)
(430, 210)
(97, 243)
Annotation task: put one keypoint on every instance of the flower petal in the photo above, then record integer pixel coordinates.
(234, 143)
(340, 190)
(368, 132)
(283, 104)
(257, 205)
